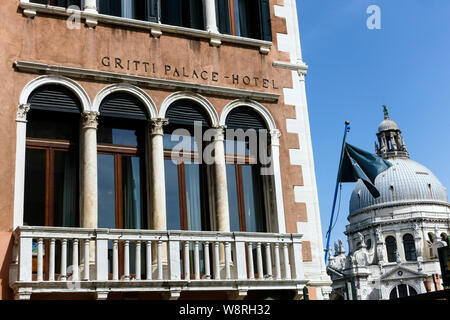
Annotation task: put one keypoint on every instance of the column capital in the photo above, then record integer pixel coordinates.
(220, 132)
(157, 125)
(90, 119)
(275, 135)
(22, 112)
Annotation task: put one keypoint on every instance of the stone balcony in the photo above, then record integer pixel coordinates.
(51, 261)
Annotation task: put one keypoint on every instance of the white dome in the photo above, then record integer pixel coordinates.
(405, 181)
(386, 125)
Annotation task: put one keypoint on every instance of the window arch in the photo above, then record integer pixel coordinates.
(409, 247)
(391, 248)
(402, 291)
(121, 141)
(51, 157)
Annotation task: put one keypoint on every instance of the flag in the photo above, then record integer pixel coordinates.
(359, 164)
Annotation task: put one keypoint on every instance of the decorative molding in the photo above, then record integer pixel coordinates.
(60, 80)
(202, 101)
(90, 120)
(35, 67)
(301, 68)
(259, 108)
(157, 126)
(22, 112)
(133, 90)
(30, 10)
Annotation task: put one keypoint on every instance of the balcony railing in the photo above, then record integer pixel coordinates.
(53, 260)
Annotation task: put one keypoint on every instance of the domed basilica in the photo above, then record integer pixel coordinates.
(393, 239)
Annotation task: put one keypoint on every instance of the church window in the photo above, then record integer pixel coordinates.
(391, 248)
(402, 291)
(409, 247)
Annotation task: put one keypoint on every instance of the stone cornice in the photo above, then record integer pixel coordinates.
(372, 224)
(399, 204)
(90, 74)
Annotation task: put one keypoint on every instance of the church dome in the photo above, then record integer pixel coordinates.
(386, 125)
(405, 181)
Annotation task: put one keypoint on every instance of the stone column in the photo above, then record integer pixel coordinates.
(275, 164)
(19, 186)
(211, 21)
(89, 193)
(157, 175)
(221, 190)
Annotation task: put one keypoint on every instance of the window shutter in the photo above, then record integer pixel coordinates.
(245, 118)
(222, 13)
(185, 112)
(54, 98)
(266, 29)
(123, 105)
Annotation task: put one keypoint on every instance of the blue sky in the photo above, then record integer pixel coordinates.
(353, 71)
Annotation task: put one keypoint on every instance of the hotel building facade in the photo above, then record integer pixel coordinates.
(98, 200)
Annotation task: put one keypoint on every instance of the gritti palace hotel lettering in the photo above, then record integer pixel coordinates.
(182, 72)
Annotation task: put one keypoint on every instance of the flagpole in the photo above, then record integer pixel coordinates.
(347, 129)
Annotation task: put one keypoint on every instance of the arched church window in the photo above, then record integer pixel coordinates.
(409, 247)
(391, 248)
(402, 291)
(369, 244)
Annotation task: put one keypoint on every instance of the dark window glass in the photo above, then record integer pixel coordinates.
(409, 247)
(391, 248)
(52, 125)
(106, 191)
(183, 13)
(51, 169)
(254, 214)
(131, 186)
(59, 3)
(119, 136)
(233, 202)
(35, 178)
(66, 189)
(172, 195)
(146, 10)
(245, 18)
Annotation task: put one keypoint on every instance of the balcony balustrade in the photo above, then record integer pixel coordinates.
(101, 261)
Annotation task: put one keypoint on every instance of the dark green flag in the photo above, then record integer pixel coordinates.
(359, 164)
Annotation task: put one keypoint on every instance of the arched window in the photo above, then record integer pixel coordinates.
(121, 141)
(51, 165)
(186, 175)
(391, 248)
(402, 291)
(121, 162)
(247, 187)
(409, 247)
